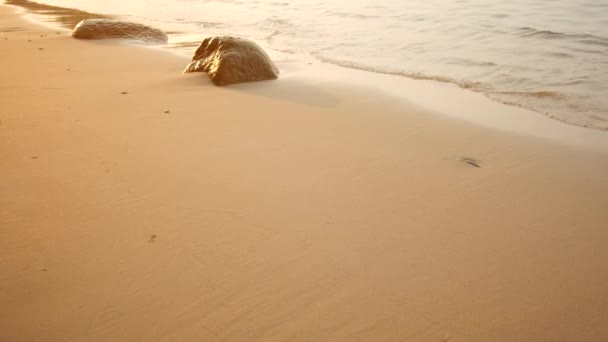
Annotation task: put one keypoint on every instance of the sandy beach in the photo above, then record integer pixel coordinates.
(138, 203)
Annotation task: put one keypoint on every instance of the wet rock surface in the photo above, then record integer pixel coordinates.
(229, 60)
(113, 29)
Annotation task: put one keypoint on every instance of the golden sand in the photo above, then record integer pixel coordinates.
(141, 204)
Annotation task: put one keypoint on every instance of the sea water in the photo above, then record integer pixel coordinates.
(550, 56)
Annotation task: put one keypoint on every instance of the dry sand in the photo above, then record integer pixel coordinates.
(277, 211)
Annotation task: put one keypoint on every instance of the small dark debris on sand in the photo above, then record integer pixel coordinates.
(152, 238)
(44, 269)
(470, 161)
(167, 112)
(40, 49)
(67, 69)
(124, 93)
(35, 157)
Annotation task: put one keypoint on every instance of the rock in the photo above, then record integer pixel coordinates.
(229, 60)
(108, 29)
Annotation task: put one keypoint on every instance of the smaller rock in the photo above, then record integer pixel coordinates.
(116, 29)
(124, 93)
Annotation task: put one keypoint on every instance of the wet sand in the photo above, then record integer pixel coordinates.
(139, 203)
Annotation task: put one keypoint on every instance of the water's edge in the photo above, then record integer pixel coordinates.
(479, 107)
(186, 43)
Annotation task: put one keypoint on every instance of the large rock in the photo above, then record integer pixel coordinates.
(108, 29)
(229, 60)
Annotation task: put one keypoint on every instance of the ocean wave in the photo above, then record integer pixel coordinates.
(276, 27)
(469, 62)
(413, 75)
(559, 54)
(541, 94)
(583, 38)
(350, 15)
(541, 101)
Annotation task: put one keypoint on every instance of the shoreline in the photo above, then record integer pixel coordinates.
(305, 66)
(295, 209)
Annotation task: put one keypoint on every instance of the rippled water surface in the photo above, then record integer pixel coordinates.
(547, 55)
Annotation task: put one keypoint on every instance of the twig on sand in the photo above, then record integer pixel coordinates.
(468, 160)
